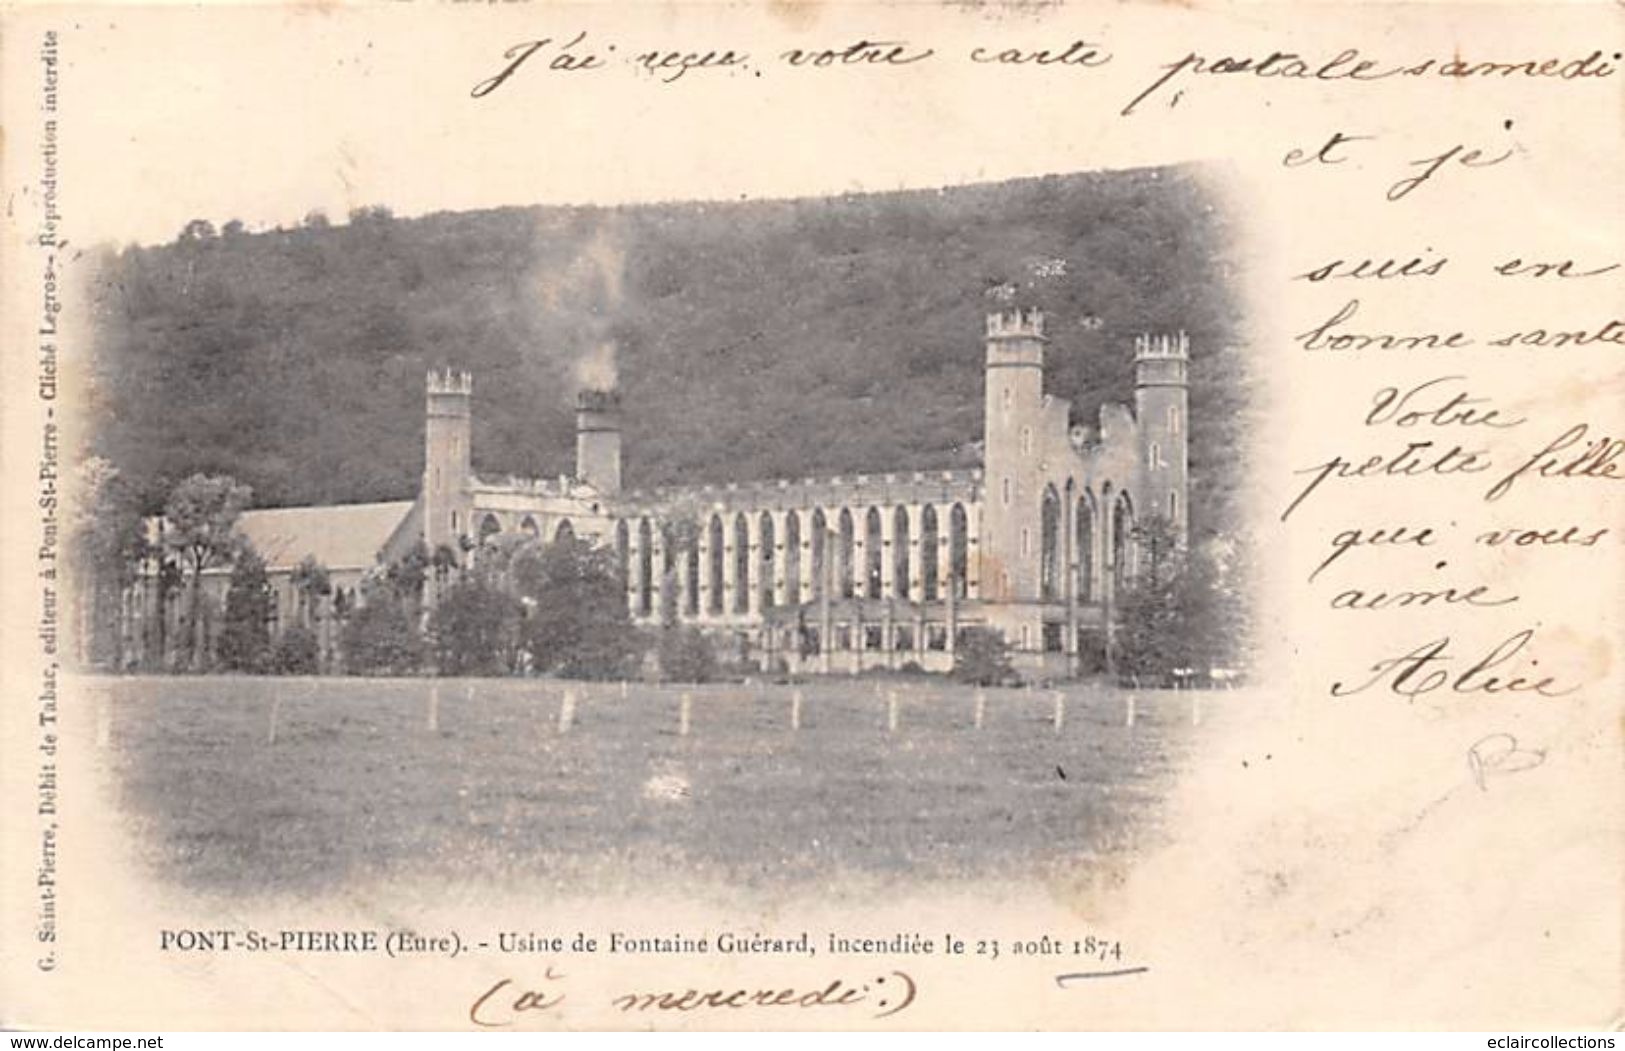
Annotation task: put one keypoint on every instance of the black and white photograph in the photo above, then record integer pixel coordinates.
(871, 518)
(890, 536)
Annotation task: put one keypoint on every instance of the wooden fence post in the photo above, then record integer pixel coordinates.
(891, 711)
(1128, 711)
(432, 721)
(1059, 718)
(567, 711)
(276, 706)
(981, 707)
(795, 710)
(684, 714)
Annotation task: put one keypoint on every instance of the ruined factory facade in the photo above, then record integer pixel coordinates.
(875, 570)
(836, 574)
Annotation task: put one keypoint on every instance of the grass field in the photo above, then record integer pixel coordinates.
(270, 785)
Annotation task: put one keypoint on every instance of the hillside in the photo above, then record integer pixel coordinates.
(754, 339)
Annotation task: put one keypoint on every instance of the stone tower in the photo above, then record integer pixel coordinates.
(447, 474)
(598, 440)
(1014, 489)
(1161, 364)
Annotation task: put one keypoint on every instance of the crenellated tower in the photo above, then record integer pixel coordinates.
(447, 463)
(1161, 365)
(1015, 395)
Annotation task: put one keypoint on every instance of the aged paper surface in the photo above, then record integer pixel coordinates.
(1406, 815)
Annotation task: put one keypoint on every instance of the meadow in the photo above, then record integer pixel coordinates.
(260, 785)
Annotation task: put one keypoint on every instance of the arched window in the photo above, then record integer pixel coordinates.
(564, 532)
(900, 553)
(928, 554)
(691, 577)
(1153, 457)
(764, 576)
(959, 551)
(843, 556)
(1123, 539)
(489, 527)
(1173, 419)
(1173, 506)
(741, 564)
(1086, 547)
(714, 543)
(1049, 547)
(873, 553)
(623, 551)
(815, 567)
(792, 558)
(529, 528)
(646, 568)
(1026, 441)
(1005, 492)
(670, 571)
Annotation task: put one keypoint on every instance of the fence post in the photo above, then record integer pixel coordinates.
(981, 707)
(624, 690)
(684, 712)
(276, 706)
(567, 711)
(1128, 712)
(1196, 707)
(1059, 718)
(432, 722)
(795, 709)
(891, 711)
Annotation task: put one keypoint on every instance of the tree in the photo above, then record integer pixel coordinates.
(245, 632)
(201, 517)
(380, 636)
(311, 581)
(108, 541)
(475, 628)
(686, 655)
(982, 658)
(197, 230)
(578, 625)
(1186, 613)
(297, 652)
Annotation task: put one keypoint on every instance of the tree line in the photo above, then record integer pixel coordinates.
(519, 606)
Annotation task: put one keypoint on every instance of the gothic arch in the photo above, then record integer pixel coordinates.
(815, 563)
(645, 567)
(792, 558)
(843, 556)
(766, 541)
(489, 527)
(691, 577)
(1086, 545)
(874, 545)
(741, 563)
(959, 551)
(529, 528)
(901, 584)
(1049, 545)
(1123, 551)
(715, 545)
(928, 554)
(564, 532)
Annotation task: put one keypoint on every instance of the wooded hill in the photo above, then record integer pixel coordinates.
(756, 339)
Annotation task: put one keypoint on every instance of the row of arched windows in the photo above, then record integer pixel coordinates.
(1051, 566)
(490, 526)
(698, 565)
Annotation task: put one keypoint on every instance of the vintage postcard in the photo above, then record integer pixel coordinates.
(537, 516)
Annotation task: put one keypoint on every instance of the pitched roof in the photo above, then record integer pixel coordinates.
(341, 536)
